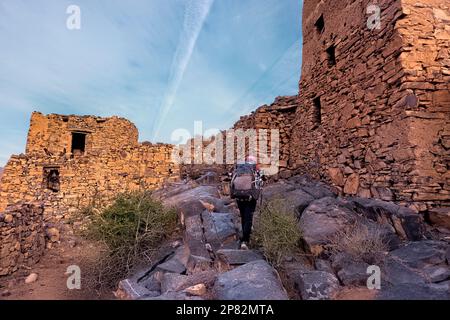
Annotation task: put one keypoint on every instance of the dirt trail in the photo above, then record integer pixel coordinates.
(51, 282)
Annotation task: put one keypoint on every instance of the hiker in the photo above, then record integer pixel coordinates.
(246, 185)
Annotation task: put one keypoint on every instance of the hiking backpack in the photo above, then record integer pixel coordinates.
(245, 182)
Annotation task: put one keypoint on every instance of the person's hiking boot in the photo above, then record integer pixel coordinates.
(244, 246)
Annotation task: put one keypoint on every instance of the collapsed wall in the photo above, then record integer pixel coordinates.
(22, 237)
(374, 105)
(246, 136)
(277, 116)
(72, 162)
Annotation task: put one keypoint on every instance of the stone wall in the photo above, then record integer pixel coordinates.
(280, 116)
(52, 135)
(113, 161)
(22, 237)
(373, 112)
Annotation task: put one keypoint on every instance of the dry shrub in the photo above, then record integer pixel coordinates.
(277, 232)
(127, 233)
(360, 240)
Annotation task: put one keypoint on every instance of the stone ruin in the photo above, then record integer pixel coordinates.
(371, 119)
(72, 162)
(22, 236)
(373, 114)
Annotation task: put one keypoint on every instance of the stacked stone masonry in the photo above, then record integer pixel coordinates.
(22, 237)
(373, 115)
(72, 162)
(278, 116)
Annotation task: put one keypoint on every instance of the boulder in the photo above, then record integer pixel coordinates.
(177, 263)
(350, 271)
(321, 220)
(219, 229)
(129, 289)
(323, 265)
(395, 272)
(253, 281)
(440, 217)
(230, 258)
(151, 283)
(172, 266)
(317, 285)
(193, 236)
(437, 274)
(406, 223)
(421, 253)
(199, 264)
(276, 190)
(176, 282)
(410, 291)
(298, 200)
(354, 274)
(173, 189)
(189, 203)
(172, 282)
(318, 190)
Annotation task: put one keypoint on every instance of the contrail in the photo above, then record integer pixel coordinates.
(194, 18)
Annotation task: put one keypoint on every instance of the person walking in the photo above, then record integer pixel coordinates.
(246, 184)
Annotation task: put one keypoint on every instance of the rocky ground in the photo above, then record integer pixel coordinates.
(207, 264)
(47, 280)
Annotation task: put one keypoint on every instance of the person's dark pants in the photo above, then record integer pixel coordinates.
(247, 209)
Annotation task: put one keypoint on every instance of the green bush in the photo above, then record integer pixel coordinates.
(130, 231)
(276, 232)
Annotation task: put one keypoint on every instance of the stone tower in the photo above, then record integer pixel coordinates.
(374, 103)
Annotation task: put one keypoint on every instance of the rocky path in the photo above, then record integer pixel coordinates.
(207, 264)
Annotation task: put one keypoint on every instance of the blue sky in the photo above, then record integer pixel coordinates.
(163, 64)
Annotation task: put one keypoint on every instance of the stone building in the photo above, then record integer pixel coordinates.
(72, 162)
(373, 111)
(374, 103)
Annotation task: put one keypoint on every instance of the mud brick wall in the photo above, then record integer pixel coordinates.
(22, 237)
(373, 112)
(113, 162)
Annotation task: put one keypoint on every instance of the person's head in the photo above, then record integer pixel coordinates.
(251, 160)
